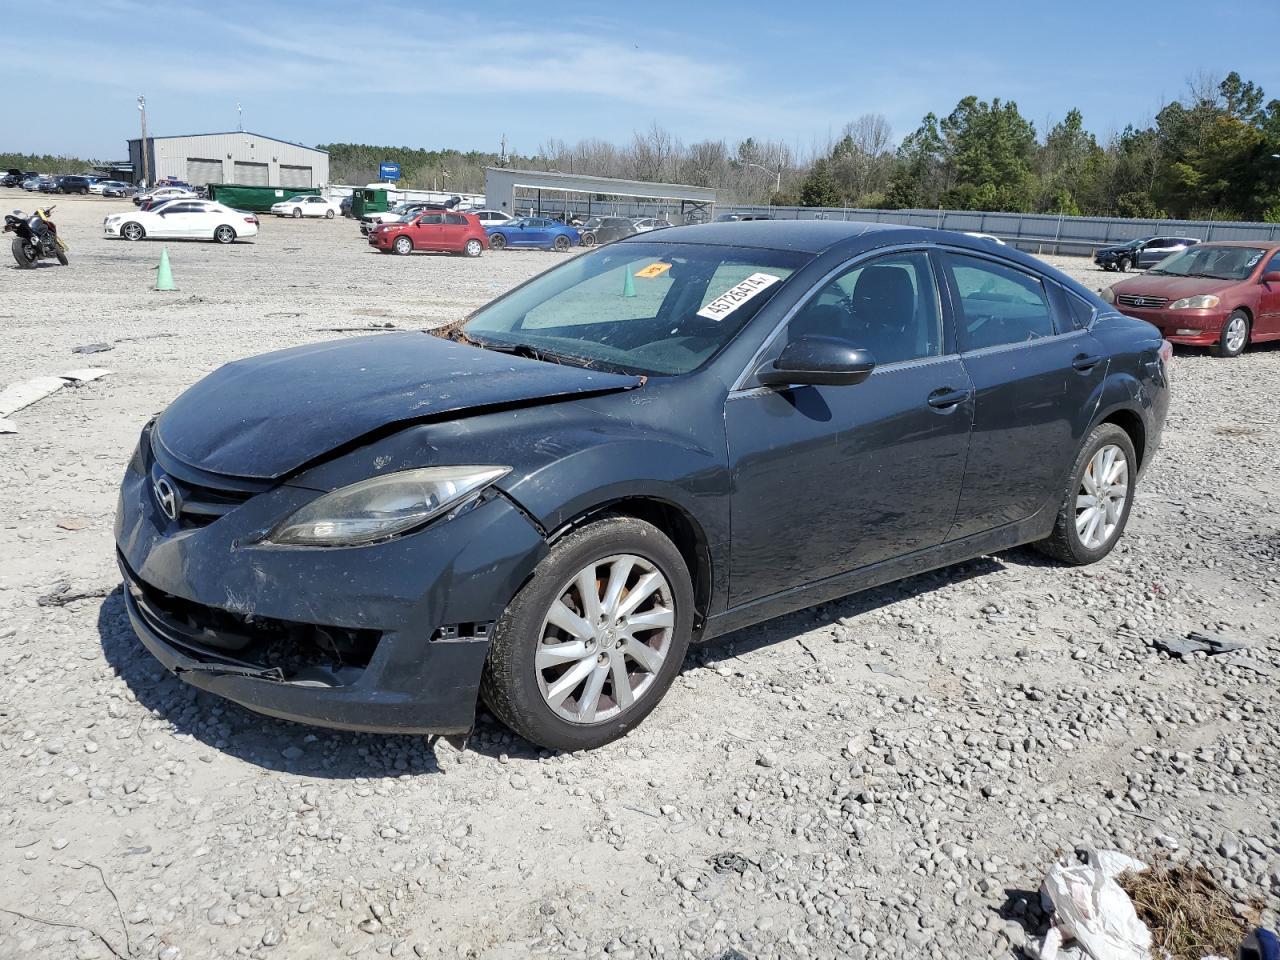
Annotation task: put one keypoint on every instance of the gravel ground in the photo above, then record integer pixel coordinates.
(884, 776)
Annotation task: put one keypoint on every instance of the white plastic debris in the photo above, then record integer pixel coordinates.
(1091, 909)
(18, 396)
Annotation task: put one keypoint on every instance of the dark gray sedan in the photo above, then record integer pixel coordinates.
(656, 443)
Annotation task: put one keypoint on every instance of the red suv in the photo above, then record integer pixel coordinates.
(1223, 295)
(439, 230)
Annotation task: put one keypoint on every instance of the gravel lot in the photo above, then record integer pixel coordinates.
(884, 776)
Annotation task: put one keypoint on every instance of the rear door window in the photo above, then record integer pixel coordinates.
(998, 304)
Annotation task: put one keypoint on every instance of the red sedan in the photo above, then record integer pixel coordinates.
(1224, 295)
(445, 232)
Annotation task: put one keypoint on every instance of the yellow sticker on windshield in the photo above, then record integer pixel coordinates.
(653, 270)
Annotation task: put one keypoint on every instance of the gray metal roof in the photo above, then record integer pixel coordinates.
(581, 183)
(228, 133)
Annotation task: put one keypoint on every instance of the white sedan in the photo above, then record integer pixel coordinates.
(306, 206)
(183, 220)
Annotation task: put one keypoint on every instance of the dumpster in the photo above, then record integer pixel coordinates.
(369, 200)
(240, 196)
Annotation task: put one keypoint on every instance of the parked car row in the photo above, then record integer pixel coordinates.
(68, 183)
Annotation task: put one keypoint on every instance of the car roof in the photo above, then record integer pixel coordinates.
(809, 236)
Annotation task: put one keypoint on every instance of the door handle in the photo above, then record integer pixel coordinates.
(1084, 362)
(945, 398)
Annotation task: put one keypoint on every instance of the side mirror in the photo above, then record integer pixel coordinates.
(1272, 276)
(823, 361)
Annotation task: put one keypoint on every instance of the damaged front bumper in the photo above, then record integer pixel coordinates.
(390, 637)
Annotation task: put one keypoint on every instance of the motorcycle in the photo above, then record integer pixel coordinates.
(37, 238)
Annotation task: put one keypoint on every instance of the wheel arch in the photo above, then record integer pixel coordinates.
(1131, 423)
(673, 520)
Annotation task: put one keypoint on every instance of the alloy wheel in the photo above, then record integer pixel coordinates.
(1237, 331)
(1103, 493)
(605, 639)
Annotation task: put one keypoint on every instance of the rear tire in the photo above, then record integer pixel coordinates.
(649, 568)
(23, 253)
(561, 244)
(497, 242)
(224, 234)
(1094, 510)
(403, 246)
(1235, 335)
(473, 248)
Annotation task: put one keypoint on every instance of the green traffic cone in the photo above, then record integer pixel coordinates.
(628, 285)
(164, 276)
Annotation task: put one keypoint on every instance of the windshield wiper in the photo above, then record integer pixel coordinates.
(533, 353)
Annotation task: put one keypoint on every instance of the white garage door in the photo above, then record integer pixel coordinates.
(252, 174)
(293, 176)
(203, 172)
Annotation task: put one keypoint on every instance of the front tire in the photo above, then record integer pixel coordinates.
(473, 248)
(497, 242)
(1235, 335)
(224, 234)
(588, 239)
(328, 214)
(403, 246)
(297, 212)
(1097, 501)
(591, 643)
(1122, 264)
(132, 231)
(62, 257)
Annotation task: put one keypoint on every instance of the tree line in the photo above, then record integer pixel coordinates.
(1213, 154)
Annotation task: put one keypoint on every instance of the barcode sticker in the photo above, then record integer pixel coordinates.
(736, 296)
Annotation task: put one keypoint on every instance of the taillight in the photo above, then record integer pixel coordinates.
(250, 219)
(1166, 356)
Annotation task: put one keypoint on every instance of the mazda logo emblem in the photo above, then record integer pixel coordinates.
(167, 497)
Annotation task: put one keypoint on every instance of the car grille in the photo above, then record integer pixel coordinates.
(1131, 300)
(199, 499)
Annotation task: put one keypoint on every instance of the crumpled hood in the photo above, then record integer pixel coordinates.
(266, 416)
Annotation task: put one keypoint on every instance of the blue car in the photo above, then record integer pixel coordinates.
(540, 232)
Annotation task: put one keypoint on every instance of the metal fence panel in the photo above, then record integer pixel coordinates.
(1037, 232)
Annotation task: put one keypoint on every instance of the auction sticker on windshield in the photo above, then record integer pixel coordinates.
(736, 296)
(653, 270)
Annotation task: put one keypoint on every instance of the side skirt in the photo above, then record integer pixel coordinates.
(887, 571)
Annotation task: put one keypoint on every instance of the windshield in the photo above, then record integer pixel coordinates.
(1206, 260)
(651, 308)
(1134, 243)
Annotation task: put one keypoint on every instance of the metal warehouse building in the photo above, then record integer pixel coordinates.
(237, 157)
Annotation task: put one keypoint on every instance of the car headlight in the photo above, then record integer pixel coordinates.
(382, 507)
(1205, 301)
(1107, 295)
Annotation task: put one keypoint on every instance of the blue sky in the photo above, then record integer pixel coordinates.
(446, 74)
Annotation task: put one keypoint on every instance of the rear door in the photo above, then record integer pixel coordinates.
(453, 235)
(1037, 379)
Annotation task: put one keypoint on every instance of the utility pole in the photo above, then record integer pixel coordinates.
(502, 157)
(146, 163)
